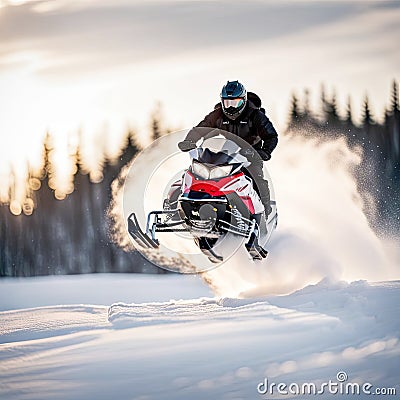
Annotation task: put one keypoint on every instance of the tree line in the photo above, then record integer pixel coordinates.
(55, 234)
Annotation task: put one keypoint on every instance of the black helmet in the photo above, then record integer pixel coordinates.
(233, 99)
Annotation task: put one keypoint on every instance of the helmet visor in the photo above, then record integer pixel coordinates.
(236, 103)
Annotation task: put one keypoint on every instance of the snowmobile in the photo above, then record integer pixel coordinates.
(216, 196)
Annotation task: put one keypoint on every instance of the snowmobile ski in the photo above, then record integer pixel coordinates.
(257, 252)
(141, 238)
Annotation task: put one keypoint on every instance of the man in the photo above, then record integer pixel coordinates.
(240, 113)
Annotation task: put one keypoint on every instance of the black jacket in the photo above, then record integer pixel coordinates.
(252, 125)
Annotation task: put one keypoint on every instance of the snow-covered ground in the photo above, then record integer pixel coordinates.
(299, 323)
(195, 346)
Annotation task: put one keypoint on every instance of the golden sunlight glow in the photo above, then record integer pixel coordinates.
(5, 182)
(15, 207)
(33, 107)
(34, 184)
(28, 206)
(91, 102)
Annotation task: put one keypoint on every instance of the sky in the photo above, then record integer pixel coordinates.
(94, 67)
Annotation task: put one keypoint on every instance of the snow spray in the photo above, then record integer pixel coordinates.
(322, 231)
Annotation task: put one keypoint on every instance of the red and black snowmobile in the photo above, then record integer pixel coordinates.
(215, 197)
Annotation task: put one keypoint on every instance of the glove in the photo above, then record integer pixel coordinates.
(186, 145)
(264, 155)
(253, 157)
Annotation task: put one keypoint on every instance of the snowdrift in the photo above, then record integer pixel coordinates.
(203, 347)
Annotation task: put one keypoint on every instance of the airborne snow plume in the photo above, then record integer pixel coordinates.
(322, 229)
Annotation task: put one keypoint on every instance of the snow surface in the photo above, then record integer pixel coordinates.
(98, 289)
(193, 347)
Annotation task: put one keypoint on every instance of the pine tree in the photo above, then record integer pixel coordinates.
(329, 115)
(334, 109)
(323, 103)
(367, 119)
(393, 126)
(156, 122)
(349, 112)
(394, 100)
(47, 149)
(306, 107)
(327, 108)
(294, 113)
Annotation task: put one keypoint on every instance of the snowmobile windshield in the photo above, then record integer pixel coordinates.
(206, 156)
(219, 151)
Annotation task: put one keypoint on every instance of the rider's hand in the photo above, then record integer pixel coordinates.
(186, 145)
(264, 155)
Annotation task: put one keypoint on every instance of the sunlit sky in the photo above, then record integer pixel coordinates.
(98, 66)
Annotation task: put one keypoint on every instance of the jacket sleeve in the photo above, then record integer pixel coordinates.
(266, 131)
(209, 121)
